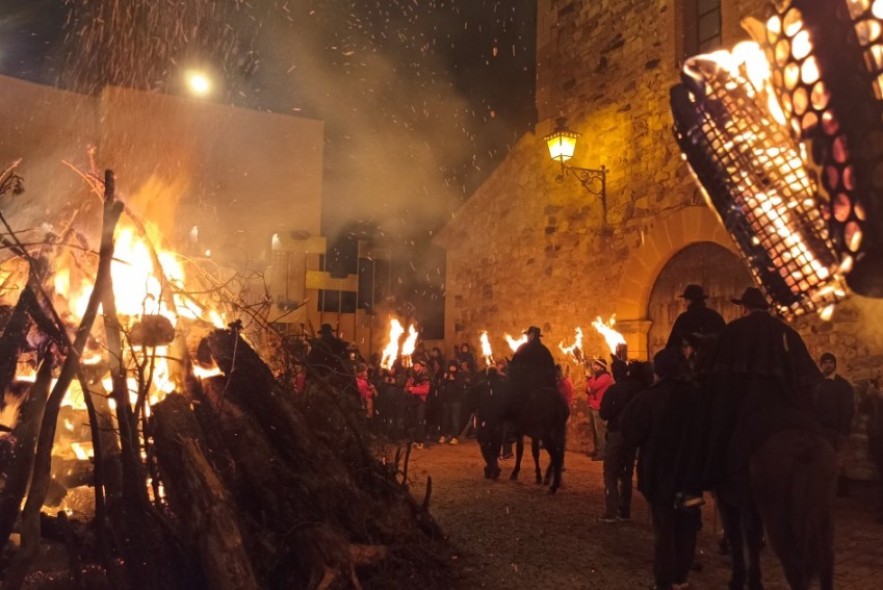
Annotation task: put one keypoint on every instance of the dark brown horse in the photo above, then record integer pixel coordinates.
(793, 482)
(788, 491)
(542, 415)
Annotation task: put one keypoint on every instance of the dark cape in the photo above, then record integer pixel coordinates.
(662, 422)
(761, 382)
(695, 325)
(532, 367)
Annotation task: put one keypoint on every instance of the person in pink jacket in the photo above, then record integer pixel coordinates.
(596, 384)
(416, 390)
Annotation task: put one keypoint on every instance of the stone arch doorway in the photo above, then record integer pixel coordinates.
(720, 272)
(663, 240)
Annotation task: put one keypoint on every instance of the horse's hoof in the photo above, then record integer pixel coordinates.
(539, 481)
(513, 477)
(552, 490)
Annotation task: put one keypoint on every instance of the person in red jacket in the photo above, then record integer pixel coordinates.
(565, 385)
(416, 390)
(596, 384)
(367, 391)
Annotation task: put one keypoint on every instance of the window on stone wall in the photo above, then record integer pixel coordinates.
(702, 26)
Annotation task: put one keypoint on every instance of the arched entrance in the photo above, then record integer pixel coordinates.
(664, 239)
(720, 272)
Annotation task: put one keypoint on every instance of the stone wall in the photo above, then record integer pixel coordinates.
(529, 250)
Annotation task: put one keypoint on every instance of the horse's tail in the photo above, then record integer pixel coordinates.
(794, 477)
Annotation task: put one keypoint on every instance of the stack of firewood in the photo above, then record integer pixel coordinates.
(225, 484)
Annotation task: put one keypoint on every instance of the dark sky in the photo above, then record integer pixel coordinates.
(421, 98)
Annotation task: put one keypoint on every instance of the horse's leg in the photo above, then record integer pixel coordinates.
(535, 453)
(547, 479)
(556, 454)
(732, 523)
(752, 525)
(519, 452)
(794, 473)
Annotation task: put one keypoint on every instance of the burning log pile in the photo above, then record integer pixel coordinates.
(176, 466)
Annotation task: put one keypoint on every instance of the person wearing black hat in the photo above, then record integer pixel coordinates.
(761, 382)
(697, 324)
(835, 407)
(661, 422)
(532, 365)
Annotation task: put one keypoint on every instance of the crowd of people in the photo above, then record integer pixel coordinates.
(688, 422)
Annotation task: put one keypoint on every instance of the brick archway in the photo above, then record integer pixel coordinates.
(665, 239)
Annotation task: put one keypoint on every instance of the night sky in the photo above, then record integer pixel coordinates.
(421, 98)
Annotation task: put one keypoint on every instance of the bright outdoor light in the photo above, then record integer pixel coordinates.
(562, 143)
(198, 82)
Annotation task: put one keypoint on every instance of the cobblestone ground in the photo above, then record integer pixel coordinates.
(514, 535)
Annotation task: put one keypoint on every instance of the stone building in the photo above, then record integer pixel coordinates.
(530, 249)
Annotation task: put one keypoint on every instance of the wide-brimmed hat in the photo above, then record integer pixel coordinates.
(694, 293)
(533, 330)
(601, 362)
(326, 329)
(752, 297)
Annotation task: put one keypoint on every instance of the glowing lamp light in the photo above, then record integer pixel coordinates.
(198, 82)
(561, 142)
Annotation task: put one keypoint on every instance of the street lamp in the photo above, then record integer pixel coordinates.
(198, 82)
(562, 145)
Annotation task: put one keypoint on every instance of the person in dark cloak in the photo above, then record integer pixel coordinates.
(694, 330)
(762, 381)
(660, 422)
(486, 399)
(532, 366)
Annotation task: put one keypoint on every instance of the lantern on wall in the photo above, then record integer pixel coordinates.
(785, 135)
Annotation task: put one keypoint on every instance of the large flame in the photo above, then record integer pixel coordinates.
(611, 336)
(513, 343)
(574, 351)
(410, 344)
(391, 351)
(486, 350)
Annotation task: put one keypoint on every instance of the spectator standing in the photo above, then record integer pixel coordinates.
(619, 458)
(657, 422)
(565, 385)
(596, 386)
(872, 405)
(452, 392)
(834, 406)
(416, 390)
(367, 391)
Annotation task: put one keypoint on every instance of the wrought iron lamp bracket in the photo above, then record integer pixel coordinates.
(594, 180)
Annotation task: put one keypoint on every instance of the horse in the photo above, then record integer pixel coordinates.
(541, 414)
(793, 478)
(789, 491)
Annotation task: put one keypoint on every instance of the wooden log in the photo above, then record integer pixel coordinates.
(198, 497)
(26, 432)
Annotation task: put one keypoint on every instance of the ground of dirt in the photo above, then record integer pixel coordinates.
(515, 535)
